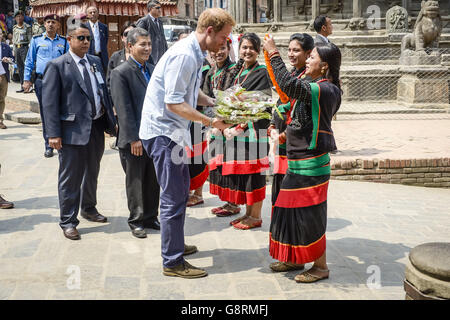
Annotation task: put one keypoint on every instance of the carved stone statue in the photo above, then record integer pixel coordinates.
(357, 24)
(397, 20)
(427, 29)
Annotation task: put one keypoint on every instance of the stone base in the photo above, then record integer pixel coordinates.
(24, 117)
(396, 37)
(420, 58)
(429, 286)
(427, 85)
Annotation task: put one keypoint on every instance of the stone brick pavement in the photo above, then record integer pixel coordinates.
(371, 229)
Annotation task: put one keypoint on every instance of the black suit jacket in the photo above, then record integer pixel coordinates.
(65, 101)
(128, 89)
(6, 52)
(159, 43)
(104, 35)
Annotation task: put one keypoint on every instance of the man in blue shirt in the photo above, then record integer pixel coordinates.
(43, 48)
(169, 107)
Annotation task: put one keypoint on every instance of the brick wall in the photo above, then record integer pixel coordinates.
(418, 172)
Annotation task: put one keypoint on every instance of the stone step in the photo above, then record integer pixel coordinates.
(25, 117)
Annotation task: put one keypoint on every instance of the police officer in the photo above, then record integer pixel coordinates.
(22, 35)
(43, 48)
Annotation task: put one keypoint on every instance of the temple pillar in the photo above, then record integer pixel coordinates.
(315, 6)
(357, 8)
(277, 10)
(243, 11)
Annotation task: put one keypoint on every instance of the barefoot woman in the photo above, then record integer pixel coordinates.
(297, 230)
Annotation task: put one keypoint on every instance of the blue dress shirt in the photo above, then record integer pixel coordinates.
(176, 79)
(42, 50)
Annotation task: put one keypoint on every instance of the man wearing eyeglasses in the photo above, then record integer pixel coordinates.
(77, 111)
(153, 24)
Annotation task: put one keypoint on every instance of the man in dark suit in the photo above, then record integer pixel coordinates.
(128, 87)
(100, 34)
(324, 28)
(153, 24)
(6, 58)
(77, 111)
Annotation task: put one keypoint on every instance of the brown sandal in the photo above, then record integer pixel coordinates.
(194, 200)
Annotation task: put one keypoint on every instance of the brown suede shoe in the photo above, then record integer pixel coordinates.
(185, 270)
(4, 204)
(189, 250)
(71, 233)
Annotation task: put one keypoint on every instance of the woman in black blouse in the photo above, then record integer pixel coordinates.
(299, 219)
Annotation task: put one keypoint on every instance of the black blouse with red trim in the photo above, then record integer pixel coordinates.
(299, 131)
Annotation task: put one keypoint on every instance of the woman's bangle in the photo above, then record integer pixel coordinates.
(273, 53)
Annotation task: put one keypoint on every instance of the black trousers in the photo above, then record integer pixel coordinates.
(20, 55)
(79, 167)
(38, 90)
(141, 186)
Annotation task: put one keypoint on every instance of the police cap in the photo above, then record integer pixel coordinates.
(51, 17)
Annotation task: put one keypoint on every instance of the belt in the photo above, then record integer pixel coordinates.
(22, 45)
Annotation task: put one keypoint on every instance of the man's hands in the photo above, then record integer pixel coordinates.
(7, 60)
(55, 143)
(219, 124)
(136, 148)
(27, 85)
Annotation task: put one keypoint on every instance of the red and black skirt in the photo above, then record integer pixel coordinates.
(299, 218)
(197, 156)
(237, 176)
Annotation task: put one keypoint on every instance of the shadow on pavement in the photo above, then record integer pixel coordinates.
(26, 223)
(113, 225)
(50, 202)
(364, 151)
(15, 136)
(357, 261)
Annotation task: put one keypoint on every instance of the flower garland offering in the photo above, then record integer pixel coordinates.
(237, 105)
(283, 97)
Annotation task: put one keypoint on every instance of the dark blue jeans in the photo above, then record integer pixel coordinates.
(173, 178)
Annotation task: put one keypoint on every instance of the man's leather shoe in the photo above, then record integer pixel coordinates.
(48, 153)
(189, 250)
(185, 270)
(4, 204)
(71, 233)
(139, 233)
(94, 217)
(153, 224)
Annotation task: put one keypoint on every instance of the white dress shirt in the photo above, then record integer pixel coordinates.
(96, 32)
(77, 59)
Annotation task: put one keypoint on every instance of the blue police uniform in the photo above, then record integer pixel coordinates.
(42, 50)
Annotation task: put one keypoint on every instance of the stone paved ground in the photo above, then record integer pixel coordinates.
(371, 229)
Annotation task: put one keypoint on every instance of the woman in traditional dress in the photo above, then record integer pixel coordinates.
(299, 219)
(198, 165)
(300, 47)
(239, 177)
(213, 78)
